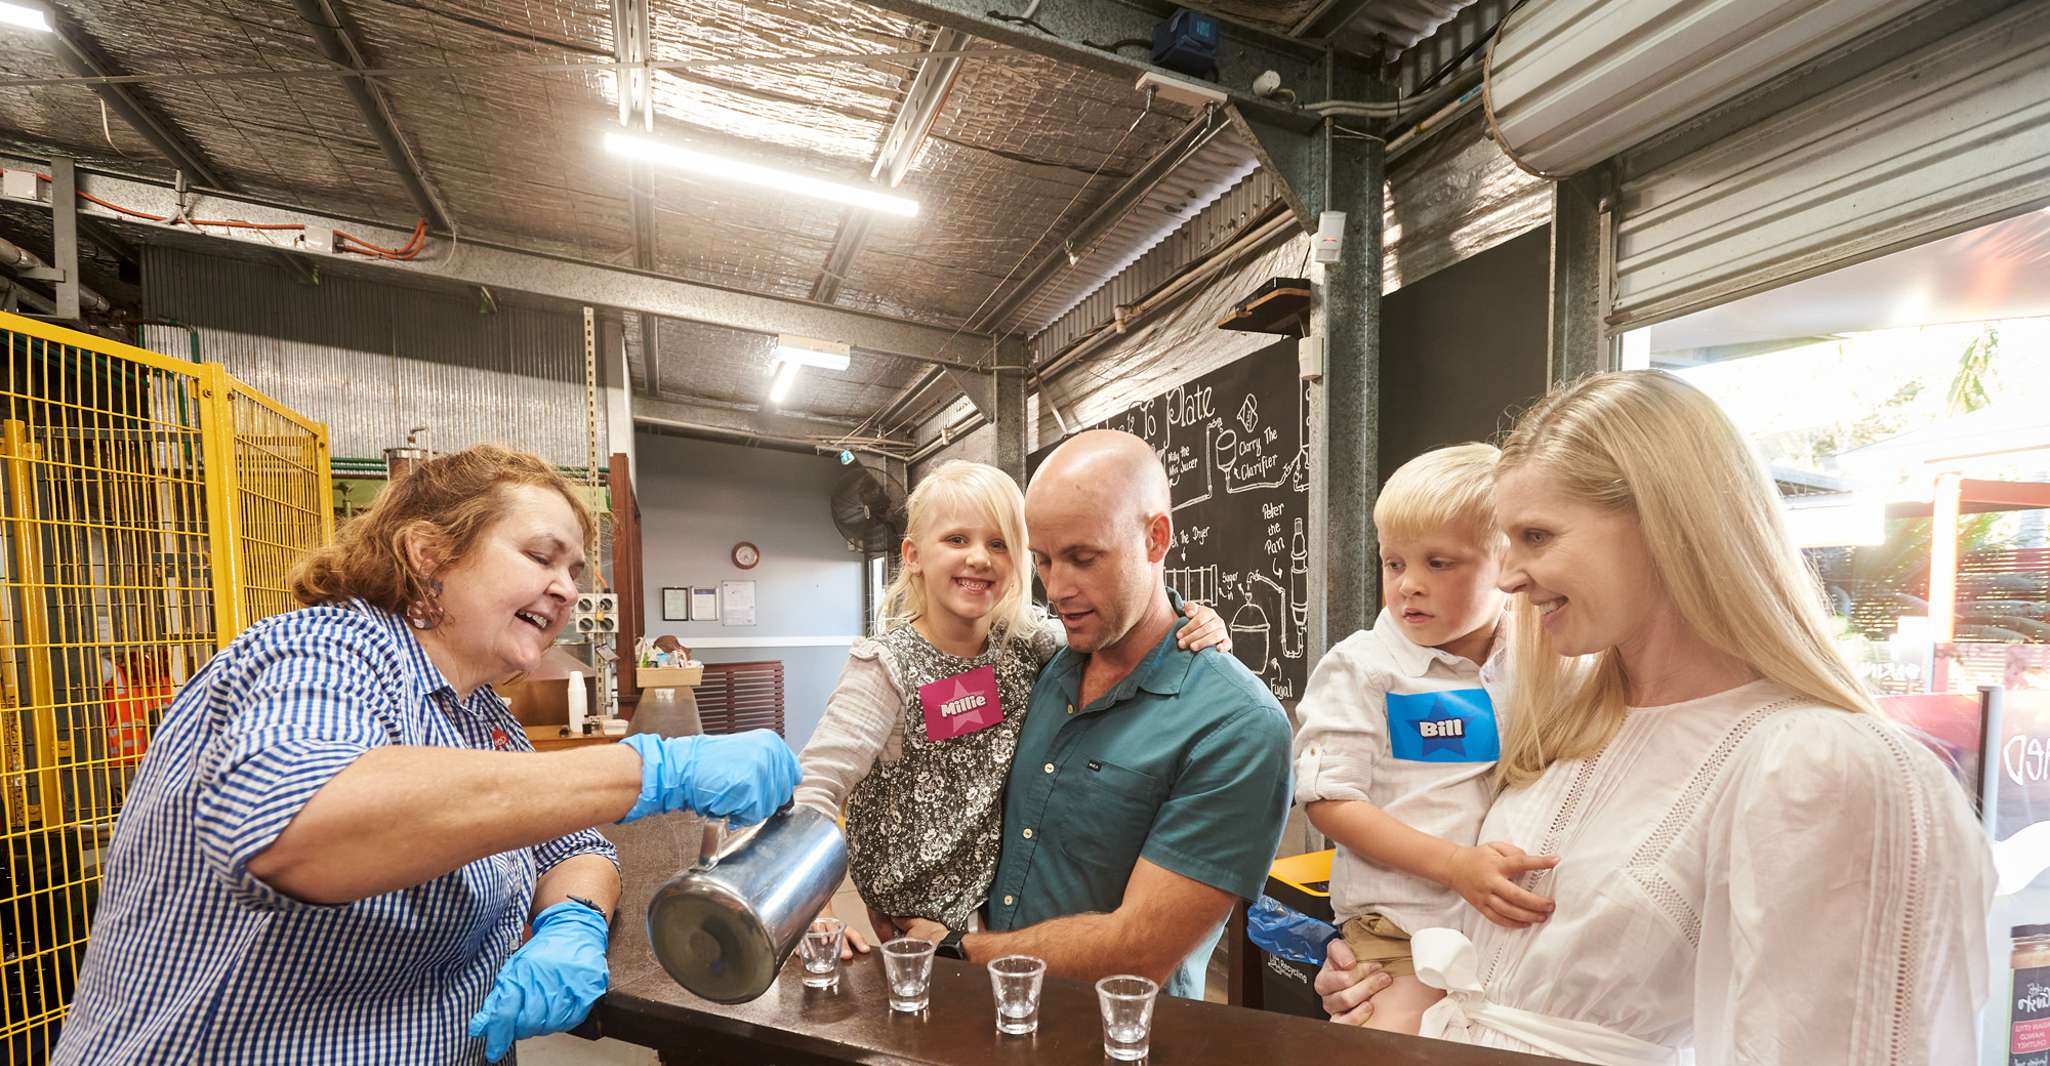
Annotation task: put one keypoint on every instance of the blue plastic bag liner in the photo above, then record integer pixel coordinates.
(1288, 933)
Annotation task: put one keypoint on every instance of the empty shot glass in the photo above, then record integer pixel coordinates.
(1016, 979)
(820, 951)
(1127, 1005)
(907, 965)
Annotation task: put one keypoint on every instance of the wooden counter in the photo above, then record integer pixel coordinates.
(791, 1025)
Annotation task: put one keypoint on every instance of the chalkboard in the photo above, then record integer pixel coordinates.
(1234, 443)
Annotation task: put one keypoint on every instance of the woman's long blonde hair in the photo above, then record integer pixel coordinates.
(961, 484)
(1648, 444)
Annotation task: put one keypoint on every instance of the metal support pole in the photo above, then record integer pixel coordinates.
(651, 352)
(1339, 168)
(1943, 519)
(1010, 406)
(1346, 312)
(64, 234)
(1578, 343)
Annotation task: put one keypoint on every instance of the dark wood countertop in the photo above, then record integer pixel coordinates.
(794, 1025)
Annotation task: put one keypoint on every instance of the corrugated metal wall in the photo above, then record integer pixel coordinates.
(1452, 199)
(374, 360)
(1182, 342)
(1951, 137)
(1211, 229)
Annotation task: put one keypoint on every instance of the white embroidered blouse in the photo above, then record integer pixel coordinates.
(1755, 878)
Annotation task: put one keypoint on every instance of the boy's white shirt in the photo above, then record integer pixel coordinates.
(1343, 753)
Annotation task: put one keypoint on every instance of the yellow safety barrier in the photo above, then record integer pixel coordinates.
(150, 508)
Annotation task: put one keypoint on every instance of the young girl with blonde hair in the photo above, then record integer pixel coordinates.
(1753, 865)
(917, 739)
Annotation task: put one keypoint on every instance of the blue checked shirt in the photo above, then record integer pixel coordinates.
(193, 960)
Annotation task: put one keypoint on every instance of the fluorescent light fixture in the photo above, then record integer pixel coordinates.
(826, 355)
(786, 375)
(27, 16)
(648, 149)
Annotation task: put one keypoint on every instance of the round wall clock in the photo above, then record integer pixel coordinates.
(746, 555)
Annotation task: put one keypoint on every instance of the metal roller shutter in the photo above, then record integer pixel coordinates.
(1954, 135)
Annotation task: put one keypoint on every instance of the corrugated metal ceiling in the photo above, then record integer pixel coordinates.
(1384, 27)
(1024, 148)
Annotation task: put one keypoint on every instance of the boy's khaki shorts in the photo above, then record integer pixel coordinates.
(1373, 938)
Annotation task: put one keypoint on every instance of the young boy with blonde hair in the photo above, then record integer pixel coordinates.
(1401, 727)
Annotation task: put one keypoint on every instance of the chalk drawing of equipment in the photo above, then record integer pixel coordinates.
(1295, 610)
(1298, 591)
(1249, 635)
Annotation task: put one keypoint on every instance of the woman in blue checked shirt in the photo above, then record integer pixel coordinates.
(337, 845)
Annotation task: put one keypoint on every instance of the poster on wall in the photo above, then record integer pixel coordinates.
(1234, 443)
(737, 603)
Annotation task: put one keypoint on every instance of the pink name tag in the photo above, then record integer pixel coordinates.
(962, 704)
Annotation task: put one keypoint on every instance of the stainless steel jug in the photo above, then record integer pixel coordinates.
(724, 927)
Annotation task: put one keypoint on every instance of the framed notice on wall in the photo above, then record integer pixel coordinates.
(704, 603)
(675, 605)
(737, 603)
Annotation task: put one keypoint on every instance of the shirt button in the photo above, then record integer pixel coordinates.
(1049, 768)
(1008, 900)
(1071, 708)
(1028, 832)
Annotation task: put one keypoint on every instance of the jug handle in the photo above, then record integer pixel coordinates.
(717, 842)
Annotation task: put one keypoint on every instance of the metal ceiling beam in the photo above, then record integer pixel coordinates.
(1080, 32)
(79, 54)
(1329, 18)
(1212, 123)
(334, 33)
(911, 121)
(500, 267)
(705, 418)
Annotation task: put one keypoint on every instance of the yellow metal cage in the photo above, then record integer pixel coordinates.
(150, 508)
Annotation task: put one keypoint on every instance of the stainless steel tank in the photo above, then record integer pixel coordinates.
(398, 462)
(724, 927)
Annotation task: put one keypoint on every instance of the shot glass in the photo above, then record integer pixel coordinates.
(1127, 1005)
(1016, 979)
(820, 951)
(907, 965)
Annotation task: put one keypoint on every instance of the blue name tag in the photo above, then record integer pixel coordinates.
(1443, 726)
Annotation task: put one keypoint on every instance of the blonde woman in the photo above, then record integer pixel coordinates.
(917, 738)
(1753, 865)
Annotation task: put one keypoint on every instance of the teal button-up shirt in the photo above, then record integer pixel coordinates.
(1184, 763)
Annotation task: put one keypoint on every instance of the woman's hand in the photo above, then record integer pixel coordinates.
(852, 942)
(1486, 877)
(1346, 984)
(743, 778)
(1206, 629)
(549, 984)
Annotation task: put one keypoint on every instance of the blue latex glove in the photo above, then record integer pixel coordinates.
(743, 778)
(549, 984)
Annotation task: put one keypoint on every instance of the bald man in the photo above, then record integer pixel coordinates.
(1150, 784)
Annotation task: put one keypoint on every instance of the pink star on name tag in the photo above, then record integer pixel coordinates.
(962, 704)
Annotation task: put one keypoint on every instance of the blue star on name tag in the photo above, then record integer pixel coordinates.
(1443, 726)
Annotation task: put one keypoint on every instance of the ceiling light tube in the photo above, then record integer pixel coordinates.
(826, 355)
(786, 375)
(27, 16)
(648, 149)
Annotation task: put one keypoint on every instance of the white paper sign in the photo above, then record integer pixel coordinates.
(737, 603)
